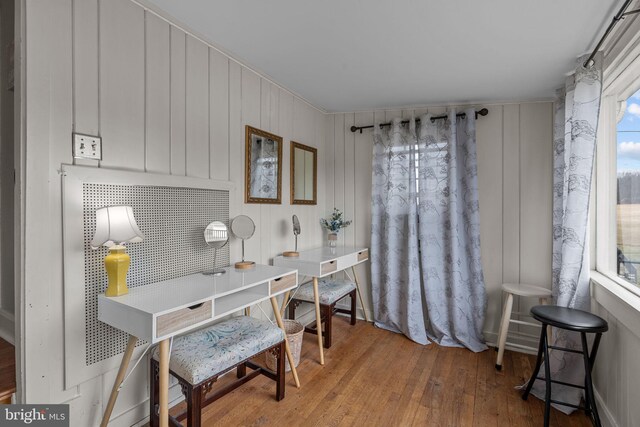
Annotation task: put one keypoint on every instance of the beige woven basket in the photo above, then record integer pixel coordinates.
(294, 331)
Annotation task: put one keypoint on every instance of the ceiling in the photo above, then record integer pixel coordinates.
(362, 55)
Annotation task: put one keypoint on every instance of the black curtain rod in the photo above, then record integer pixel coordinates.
(482, 112)
(618, 16)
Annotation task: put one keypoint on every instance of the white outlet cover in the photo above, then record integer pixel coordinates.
(87, 147)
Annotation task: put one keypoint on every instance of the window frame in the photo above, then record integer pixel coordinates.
(618, 87)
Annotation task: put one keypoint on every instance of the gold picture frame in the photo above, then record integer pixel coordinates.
(306, 157)
(263, 167)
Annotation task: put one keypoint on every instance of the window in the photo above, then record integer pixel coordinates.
(628, 192)
(615, 211)
(615, 214)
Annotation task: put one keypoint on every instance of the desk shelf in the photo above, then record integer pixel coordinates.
(238, 300)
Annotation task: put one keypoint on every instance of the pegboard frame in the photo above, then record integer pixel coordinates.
(73, 178)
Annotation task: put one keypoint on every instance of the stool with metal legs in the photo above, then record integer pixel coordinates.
(574, 320)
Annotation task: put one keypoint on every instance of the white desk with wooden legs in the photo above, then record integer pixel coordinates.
(158, 312)
(322, 262)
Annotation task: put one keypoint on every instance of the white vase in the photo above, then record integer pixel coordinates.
(332, 237)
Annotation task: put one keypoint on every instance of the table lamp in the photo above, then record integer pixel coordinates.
(115, 225)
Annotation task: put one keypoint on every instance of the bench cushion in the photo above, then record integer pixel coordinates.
(330, 290)
(210, 351)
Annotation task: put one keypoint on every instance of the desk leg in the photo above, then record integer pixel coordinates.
(276, 313)
(355, 278)
(163, 383)
(316, 298)
(124, 365)
(284, 303)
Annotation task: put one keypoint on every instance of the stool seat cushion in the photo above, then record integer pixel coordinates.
(329, 290)
(207, 352)
(569, 318)
(524, 290)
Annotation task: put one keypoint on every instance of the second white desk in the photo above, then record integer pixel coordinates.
(322, 262)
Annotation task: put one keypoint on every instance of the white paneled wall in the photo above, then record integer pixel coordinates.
(7, 143)
(616, 373)
(164, 102)
(514, 145)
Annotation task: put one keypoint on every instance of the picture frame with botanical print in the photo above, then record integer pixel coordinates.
(263, 166)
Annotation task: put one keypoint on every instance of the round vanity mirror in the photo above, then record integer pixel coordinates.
(216, 235)
(296, 225)
(243, 228)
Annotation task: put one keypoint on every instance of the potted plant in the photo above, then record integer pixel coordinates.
(333, 224)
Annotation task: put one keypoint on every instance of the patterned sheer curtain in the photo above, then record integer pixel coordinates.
(425, 245)
(575, 125)
(395, 260)
(454, 289)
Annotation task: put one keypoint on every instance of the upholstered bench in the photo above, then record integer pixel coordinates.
(199, 358)
(330, 291)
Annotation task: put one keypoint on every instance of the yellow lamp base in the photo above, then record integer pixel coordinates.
(117, 265)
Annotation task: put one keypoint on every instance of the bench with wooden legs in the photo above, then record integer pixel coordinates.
(330, 292)
(200, 358)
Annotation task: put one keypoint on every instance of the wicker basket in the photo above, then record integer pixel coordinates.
(294, 331)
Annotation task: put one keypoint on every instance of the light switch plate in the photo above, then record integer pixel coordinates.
(87, 147)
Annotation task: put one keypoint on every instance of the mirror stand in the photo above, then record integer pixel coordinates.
(216, 235)
(243, 228)
(215, 271)
(244, 265)
(296, 231)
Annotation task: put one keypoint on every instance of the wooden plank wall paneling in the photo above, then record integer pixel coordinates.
(8, 220)
(616, 370)
(514, 148)
(177, 98)
(157, 95)
(163, 102)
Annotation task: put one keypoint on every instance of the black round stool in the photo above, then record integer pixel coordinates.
(572, 320)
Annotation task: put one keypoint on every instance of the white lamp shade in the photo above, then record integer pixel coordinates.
(115, 225)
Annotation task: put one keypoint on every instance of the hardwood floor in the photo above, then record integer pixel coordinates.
(7, 371)
(373, 377)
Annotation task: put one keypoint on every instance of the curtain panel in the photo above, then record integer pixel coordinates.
(576, 112)
(425, 244)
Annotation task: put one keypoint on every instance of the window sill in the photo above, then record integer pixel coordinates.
(623, 304)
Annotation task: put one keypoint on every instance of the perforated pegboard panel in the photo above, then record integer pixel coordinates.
(173, 221)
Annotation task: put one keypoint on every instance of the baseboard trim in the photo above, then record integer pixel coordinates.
(138, 415)
(306, 313)
(492, 341)
(606, 417)
(7, 327)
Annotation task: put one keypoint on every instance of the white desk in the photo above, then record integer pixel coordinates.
(159, 311)
(321, 262)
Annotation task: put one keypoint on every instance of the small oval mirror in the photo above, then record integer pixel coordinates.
(243, 227)
(216, 234)
(296, 225)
